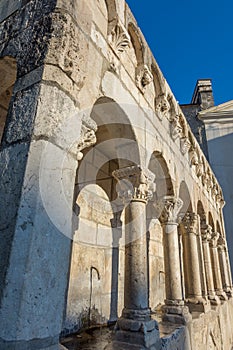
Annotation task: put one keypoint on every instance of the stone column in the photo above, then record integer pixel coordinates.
(190, 233)
(216, 267)
(222, 255)
(202, 263)
(174, 309)
(206, 232)
(116, 224)
(135, 326)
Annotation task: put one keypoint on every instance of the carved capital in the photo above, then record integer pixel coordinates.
(221, 243)
(87, 137)
(190, 223)
(184, 144)
(143, 77)
(119, 39)
(214, 239)
(135, 183)
(162, 106)
(206, 233)
(169, 207)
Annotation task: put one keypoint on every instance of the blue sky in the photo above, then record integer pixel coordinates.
(190, 40)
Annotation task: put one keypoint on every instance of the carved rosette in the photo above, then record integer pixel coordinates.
(184, 144)
(143, 77)
(169, 207)
(176, 128)
(87, 137)
(135, 183)
(214, 239)
(119, 39)
(162, 106)
(190, 223)
(206, 233)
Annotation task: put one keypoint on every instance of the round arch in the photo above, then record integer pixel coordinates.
(211, 221)
(184, 195)
(201, 212)
(136, 42)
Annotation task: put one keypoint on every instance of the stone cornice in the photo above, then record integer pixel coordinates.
(220, 112)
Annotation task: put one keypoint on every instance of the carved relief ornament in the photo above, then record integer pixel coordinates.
(162, 106)
(143, 77)
(119, 39)
(176, 128)
(214, 239)
(87, 137)
(206, 232)
(169, 207)
(193, 156)
(184, 144)
(190, 223)
(134, 183)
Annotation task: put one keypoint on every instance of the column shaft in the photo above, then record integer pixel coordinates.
(174, 310)
(172, 264)
(136, 264)
(206, 236)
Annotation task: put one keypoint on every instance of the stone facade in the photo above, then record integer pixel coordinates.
(109, 207)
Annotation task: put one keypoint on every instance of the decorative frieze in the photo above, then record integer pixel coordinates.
(135, 183)
(143, 77)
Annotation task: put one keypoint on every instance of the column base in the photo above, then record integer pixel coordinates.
(214, 299)
(178, 314)
(229, 292)
(222, 295)
(198, 304)
(135, 333)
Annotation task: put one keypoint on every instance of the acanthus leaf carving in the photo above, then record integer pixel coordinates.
(135, 183)
(190, 223)
(206, 232)
(119, 39)
(169, 208)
